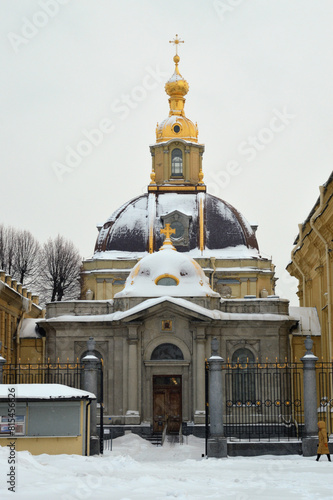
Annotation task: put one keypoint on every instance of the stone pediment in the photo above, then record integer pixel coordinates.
(160, 305)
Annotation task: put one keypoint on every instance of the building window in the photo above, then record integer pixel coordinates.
(176, 163)
(166, 280)
(167, 351)
(243, 376)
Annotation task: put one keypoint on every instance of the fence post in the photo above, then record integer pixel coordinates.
(2, 362)
(309, 441)
(217, 443)
(90, 384)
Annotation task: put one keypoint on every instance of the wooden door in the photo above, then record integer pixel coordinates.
(167, 403)
(159, 410)
(174, 407)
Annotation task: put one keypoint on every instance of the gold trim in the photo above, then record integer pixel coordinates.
(166, 275)
(177, 188)
(201, 226)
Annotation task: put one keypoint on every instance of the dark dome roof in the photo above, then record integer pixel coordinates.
(128, 227)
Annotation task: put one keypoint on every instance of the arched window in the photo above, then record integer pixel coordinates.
(243, 377)
(242, 356)
(166, 351)
(176, 163)
(166, 280)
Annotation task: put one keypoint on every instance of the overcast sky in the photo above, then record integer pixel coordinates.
(260, 75)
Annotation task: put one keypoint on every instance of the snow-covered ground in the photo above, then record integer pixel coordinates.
(136, 470)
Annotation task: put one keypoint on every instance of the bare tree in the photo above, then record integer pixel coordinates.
(26, 258)
(60, 270)
(7, 248)
(3, 244)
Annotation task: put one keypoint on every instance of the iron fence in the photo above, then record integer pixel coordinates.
(324, 376)
(43, 373)
(263, 401)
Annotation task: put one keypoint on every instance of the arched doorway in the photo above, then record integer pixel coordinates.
(167, 392)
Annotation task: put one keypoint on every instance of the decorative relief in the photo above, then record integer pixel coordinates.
(167, 325)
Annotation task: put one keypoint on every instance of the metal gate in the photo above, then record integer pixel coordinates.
(261, 401)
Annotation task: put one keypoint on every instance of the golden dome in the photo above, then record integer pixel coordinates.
(176, 85)
(176, 126)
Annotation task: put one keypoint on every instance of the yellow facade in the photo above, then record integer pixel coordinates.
(311, 264)
(56, 445)
(104, 278)
(50, 445)
(17, 304)
(298, 349)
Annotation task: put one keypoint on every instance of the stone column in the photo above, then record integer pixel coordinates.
(132, 414)
(199, 415)
(91, 372)
(2, 362)
(217, 443)
(310, 438)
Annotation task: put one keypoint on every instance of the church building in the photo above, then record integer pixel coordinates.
(172, 269)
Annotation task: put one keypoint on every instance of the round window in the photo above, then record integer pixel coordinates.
(176, 129)
(178, 226)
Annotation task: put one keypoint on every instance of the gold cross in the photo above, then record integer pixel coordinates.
(168, 231)
(176, 41)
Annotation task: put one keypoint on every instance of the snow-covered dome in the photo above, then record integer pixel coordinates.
(167, 272)
(132, 225)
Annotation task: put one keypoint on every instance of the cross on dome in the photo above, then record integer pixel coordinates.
(167, 231)
(176, 41)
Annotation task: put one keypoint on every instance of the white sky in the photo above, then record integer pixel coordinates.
(245, 62)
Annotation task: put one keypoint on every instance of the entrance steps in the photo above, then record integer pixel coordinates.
(155, 438)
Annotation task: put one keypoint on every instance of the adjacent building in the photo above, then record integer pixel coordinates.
(311, 263)
(20, 338)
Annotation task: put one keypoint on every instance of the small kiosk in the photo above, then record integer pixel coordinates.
(45, 418)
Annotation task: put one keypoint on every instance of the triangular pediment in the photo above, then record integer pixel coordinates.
(153, 307)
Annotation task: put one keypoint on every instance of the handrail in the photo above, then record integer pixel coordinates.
(181, 434)
(164, 432)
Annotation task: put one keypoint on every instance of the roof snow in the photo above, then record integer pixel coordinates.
(44, 391)
(212, 314)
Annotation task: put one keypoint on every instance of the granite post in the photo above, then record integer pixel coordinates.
(90, 384)
(310, 437)
(217, 443)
